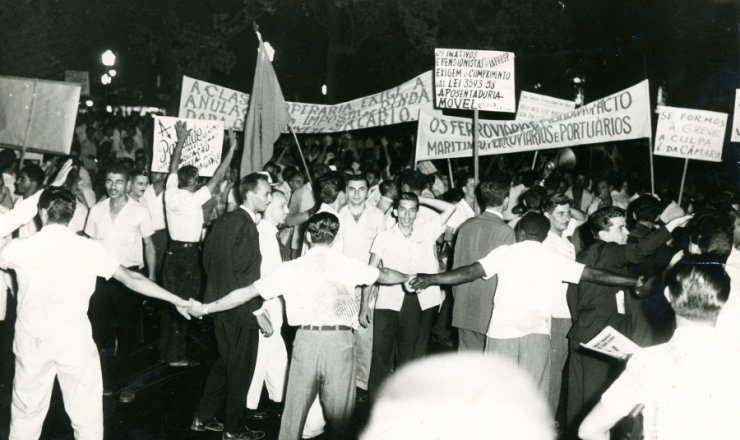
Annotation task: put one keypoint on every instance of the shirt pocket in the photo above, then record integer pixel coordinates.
(128, 235)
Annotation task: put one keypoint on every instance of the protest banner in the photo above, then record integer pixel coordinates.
(37, 115)
(399, 104)
(205, 101)
(690, 134)
(202, 149)
(534, 107)
(622, 116)
(474, 80)
(80, 77)
(735, 135)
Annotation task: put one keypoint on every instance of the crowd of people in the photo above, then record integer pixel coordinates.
(368, 257)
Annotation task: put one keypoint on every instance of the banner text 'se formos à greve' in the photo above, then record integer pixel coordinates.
(622, 116)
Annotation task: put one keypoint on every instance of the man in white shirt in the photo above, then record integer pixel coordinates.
(120, 224)
(557, 208)
(56, 276)
(373, 182)
(153, 199)
(529, 278)
(689, 386)
(403, 321)
(318, 289)
(361, 223)
(181, 271)
(30, 181)
(464, 208)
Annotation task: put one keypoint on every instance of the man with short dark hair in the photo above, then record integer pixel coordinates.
(232, 259)
(530, 275)
(593, 307)
(318, 289)
(29, 182)
(56, 276)
(121, 225)
(477, 237)
(181, 272)
(688, 386)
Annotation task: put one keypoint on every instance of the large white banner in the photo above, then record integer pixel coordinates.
(534, 107)
(202, 149)
(206, 101)
(622, 116)
(690, 134)
(474, 80)
(394, 106)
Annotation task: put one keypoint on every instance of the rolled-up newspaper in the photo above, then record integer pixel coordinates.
(612, 343)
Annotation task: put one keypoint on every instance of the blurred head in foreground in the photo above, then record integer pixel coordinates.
(459, 396)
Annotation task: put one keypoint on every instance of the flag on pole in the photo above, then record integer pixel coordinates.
(266, 117)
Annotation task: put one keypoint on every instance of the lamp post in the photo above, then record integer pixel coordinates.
(109, 60)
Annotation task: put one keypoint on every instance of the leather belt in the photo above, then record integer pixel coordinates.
(325, 327)
(184, 244)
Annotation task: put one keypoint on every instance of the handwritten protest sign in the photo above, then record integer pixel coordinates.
(202, 149)
(37, 115)
(690, 134)
(622, 116)
(534, 107)
(206, 101)
(202, 100)
(474, 80)
(735, 136)
(399, 104)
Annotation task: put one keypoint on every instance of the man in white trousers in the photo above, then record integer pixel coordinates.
(56, 271)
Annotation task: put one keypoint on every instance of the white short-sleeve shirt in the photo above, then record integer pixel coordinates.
(155, 204)
(319, 287)
(184, 212)
(359, 234)
(57, 270)
(530, 278)
(409, 255)
(564, 247)
(122, 237)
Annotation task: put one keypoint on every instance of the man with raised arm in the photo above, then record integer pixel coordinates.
(319, 293)
(56, 272)
(181, 270)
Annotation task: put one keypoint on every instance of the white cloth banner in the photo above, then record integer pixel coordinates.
(206, 101)
(735, 135)
(202, 149)
(534, 107)
(690, 134)
(622, 116)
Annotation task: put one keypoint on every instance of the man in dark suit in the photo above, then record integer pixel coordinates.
(477, 237)
(232, 259)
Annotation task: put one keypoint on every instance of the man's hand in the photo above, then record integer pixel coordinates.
(420, 282)
(182, 308)
(181, 128)
(232, 140)
(265, 325)
(365, 315)
(62, 175)
(195, 309)
(640, 282)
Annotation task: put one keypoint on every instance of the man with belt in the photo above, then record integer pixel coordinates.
(120, 224)
(181, 271)
(319, 293)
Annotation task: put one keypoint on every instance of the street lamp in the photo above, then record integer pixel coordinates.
(109, 58)
(105, 79)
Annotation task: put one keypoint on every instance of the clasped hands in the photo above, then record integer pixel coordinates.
(195, 309)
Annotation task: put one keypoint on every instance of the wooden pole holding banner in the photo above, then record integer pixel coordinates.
(303, 159)
(449, 168)
(652, 169)
(683, 180)
(534, 160)
(28, 128)
(475, 156)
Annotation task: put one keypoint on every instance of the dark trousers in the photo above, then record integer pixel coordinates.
(181, 275)
(407, 331)
(231, 375)
(115, 314)
(443, 324)
(161, 241)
